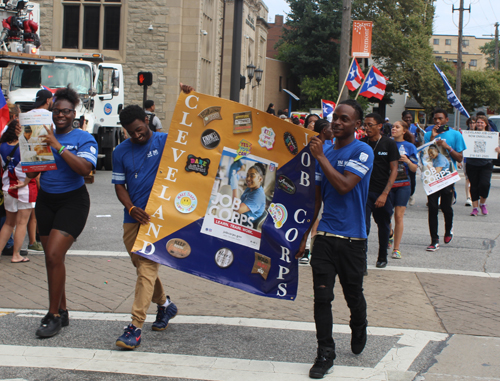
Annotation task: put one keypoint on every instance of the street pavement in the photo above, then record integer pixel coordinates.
(432, 316)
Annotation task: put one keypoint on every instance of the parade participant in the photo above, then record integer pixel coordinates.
(63, 203)
(19, 192)
(453, 142)
(342, 180)
(324, 129)
(479, 172)
(154, 121)
(385, 168)
(135, 164)
(402, 186)
(415, 131)
(471, 126)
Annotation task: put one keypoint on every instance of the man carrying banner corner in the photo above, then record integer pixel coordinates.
(342, 180)
(453, 142)
(135, 164)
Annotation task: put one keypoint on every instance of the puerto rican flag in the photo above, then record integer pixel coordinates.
(355, 77)
(51, 90)
(4, 111)
(328, 107)
(374, 85)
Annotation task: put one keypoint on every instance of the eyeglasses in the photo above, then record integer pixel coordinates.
(64, 111)
(369, 125)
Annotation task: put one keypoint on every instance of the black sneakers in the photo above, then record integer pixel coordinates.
(51, 325)
(64, 317)
(358, 338)
(323, 363)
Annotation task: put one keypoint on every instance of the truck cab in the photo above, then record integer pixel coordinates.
(99, 84)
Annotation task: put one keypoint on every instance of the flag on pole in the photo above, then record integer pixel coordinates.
(49, 89)
(450, 94)
(375, 84)
(328, 107)
(4, 111)
(355, 77)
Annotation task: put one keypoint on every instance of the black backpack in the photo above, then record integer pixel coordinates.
(151, 117)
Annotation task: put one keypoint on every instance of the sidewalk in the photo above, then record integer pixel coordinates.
(450, 304)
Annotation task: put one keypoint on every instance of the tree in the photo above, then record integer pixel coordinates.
(489, 50)
(310, 41)
(315, 89)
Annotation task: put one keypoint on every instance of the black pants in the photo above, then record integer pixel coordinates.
(480, 180)
(333, 256)
(413, 181)
(382, 217)
(446, 195)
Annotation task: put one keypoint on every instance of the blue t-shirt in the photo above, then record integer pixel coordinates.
(64, 179)
(255, 200)
(452, 137)
(136, 165)
(345, 214)
(408, 149)
(440, 161)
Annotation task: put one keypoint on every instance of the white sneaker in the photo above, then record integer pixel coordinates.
(468, 202)
(411, 202)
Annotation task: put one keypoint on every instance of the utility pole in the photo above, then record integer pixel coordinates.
(496, 46)
(345, 40)
(234, 94)
(458, 90)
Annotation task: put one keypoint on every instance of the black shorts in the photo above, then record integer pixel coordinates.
(66, 212)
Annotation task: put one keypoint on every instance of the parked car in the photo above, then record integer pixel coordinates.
(496, 119)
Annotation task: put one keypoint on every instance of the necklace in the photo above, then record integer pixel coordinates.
(136, 171)
(374, 148)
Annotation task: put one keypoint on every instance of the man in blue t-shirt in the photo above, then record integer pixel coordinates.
(451, 140)
(135, 164)
(342, 180)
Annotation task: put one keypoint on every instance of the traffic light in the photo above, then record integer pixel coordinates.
(145, 78)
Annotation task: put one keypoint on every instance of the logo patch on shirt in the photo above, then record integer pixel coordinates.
(383, 153)
(185, 202)
(197, 164)
(363, 157)
(279, 214)
(341, 163)
(93, 150)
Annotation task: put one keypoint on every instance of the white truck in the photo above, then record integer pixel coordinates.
(99, 84)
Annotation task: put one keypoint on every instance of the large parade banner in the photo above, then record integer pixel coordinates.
(436, 167)
(233, 196)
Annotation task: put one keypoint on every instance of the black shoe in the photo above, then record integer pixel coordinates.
(51, 325)
(8, 251)
(323, 363)
(64, 317)
(381, 264)
(358, 338)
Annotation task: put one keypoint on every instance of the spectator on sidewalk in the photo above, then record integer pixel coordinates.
(19, 192)
(452, 141)
(385, 170)
(63, 203)
(270, 109)
(132, 186)
(342, 180)
(153, 120)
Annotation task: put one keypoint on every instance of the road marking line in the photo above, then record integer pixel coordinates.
(172, 365)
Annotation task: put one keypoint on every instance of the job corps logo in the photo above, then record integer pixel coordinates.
(291, 143)
(210, 139)
(279, 214)
(185, 202)
(286, 184)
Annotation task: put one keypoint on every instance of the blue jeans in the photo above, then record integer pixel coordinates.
(10, 242)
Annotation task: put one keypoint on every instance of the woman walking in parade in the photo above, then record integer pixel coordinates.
(63, 202)
(401, 190)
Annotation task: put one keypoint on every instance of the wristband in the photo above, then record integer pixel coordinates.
(64, 150)
(130, 210)
(61, 150)
(451, 150)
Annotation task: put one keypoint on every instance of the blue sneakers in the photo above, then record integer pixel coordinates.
(163, 316)
(131, 338)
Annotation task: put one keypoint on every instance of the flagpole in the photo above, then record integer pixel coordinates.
(360, 87)
(347, 76)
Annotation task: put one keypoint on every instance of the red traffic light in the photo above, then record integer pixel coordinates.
(145, 78)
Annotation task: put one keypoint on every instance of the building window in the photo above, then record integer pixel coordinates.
(473, 63)
(465, 43)
(436, 41)
(465, 52)
(447, 41)
(439, 58)
(91, 24)
(435, 52)
(447, 52)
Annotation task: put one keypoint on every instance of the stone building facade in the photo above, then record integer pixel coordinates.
(186, 41)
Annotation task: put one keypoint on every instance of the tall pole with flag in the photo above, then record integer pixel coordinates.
(374, 84)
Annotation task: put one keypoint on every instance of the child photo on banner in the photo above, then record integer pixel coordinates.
(436, 167)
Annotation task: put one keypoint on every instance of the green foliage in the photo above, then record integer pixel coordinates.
(315, 89)
(310, 42)
(489, 50)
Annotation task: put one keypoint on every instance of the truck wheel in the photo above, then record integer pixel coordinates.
(108, 159)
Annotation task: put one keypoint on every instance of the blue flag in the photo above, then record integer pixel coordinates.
(450, 94)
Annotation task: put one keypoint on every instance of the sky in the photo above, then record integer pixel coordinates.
(481, 20)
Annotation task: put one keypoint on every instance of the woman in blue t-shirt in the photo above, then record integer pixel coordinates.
(253, 199)
(401, 189)
(63, 203)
